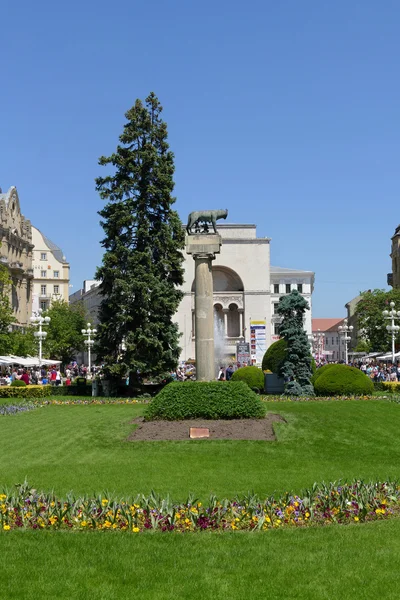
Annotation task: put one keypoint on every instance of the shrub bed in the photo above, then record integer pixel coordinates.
(343, 380)
(323, 504)
(71, 390)
(392, 387)
(253, 376)
(274, 356)
(205, 400)
(18, 383)
(320, 371)
(28, 391)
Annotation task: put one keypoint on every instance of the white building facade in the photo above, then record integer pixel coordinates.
(50, 272)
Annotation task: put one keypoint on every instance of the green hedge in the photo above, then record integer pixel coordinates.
(71, 390)
(205, 400)
(29, 391)
(18, 383)
(274, 356)
(321, 370)
(343, 380)
(253, 376)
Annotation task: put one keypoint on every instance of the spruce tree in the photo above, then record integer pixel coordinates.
(142, 266)
(296, 366)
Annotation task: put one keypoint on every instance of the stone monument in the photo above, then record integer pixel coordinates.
(203, 246)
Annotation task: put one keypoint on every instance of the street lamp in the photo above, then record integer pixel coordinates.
(318, 339)
(343, 331)
(89, 332)
(392, 328)
(40, 334)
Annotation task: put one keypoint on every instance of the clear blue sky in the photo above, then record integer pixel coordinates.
(286, 113)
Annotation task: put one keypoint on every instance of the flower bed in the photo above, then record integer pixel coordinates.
(13, 409)
(318, 398)
(86, 401)
(354, 502)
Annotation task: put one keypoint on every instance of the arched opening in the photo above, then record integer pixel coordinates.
(224, 280)
(233, 321)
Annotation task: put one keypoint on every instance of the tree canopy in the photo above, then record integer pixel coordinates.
(142, 266)
(64, 332)
(371, 323)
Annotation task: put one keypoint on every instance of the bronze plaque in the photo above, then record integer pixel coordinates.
(199, 432)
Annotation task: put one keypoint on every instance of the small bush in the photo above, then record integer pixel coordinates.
(321, 370)
(274, 356)
(18, 383)
(205, 400)
(29, 391)
(343, 380)
(253, 376)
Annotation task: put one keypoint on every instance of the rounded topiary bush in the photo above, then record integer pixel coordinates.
(274, 356)
(18, 383)
(321, 370)
(205, 400)
(342, 380)
(253, 376)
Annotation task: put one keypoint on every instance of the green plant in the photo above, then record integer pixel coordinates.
(29, 391)
(274, 356)
(320, 371)
(342, 379)
(18, 383)
(253, 376)
(207, 400)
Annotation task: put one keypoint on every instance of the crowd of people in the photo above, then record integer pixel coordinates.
(377, 371)
(46, 375)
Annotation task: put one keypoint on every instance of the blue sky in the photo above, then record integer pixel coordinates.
(286, 113)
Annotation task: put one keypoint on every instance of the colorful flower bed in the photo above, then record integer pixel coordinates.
(323, 504)
(318, 398)
(90, 400)
(13, 409)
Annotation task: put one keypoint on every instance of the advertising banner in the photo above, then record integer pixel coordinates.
(243, 353)
(258, 341)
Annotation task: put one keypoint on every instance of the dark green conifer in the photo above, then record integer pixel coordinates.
(296, 367)
(142, 264)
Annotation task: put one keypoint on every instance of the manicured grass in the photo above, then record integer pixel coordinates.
(84, 448)
(356, 561)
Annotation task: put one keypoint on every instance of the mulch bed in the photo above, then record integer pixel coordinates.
(235, 429)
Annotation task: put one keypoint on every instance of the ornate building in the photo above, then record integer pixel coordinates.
(16, 254)
(51, 272)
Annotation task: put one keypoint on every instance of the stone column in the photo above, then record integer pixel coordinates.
(226, 322)
(241, 332)
(203, 248)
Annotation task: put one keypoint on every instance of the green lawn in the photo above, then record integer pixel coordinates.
(84, 448)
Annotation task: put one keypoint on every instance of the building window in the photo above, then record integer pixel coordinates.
(43, 273)
(43, 256)
(43, 290)
(337, 341)
(300, 288)
(43, 305)
(56, 274)
(56, 289)
(275, 308)
(276, 328)
(288, 288)
(276, 288)
(333, 341)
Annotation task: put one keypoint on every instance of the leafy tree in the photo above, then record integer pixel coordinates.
(371, 323)
(23, 343)
(296, 366)
(144, 238)
(64, 332)
(6, 311)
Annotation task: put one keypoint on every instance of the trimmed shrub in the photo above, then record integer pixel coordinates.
(274, 356)
(320, 371)
(29, 391)
(391, 387)
(253, 376)
(18, 383)
(343, 380)
(205, 400)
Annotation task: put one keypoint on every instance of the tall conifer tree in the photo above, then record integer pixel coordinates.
(143, 262)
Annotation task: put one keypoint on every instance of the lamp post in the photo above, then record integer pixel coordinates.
(40, 334)
(392, 314)
(343, 331)
(318, 339)
(89, 332)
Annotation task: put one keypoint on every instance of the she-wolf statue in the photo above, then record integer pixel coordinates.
(204, 217)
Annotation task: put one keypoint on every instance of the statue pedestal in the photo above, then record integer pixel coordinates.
(203, 248)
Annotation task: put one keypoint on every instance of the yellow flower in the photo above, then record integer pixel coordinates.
(135, 529)
(233, 526)
(237, 520)
(53, 520)
(107, 524)
(84, 523)
(104, 501)
(356, 519)
(268, 519)
(6, 527)
(3, 496)
(307, 514)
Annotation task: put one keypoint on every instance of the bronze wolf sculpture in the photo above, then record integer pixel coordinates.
(204, 216)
